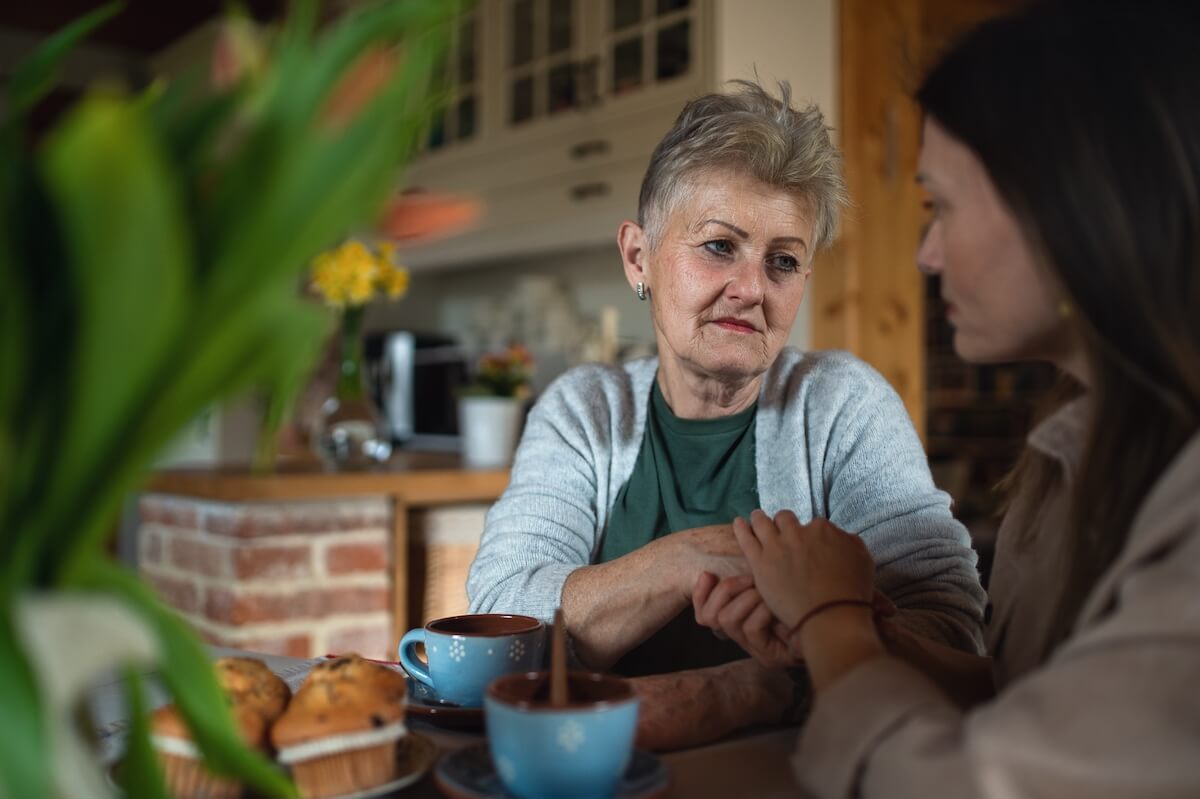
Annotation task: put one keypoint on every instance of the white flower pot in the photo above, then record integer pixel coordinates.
(490, 427)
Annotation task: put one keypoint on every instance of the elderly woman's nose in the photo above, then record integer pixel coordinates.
(746, 282)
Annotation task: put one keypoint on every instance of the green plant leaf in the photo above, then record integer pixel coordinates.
(188, 674)
(128, 249)
(33, 77)
(316, 182)
(24, 761)
(139, 774)
(37, 350)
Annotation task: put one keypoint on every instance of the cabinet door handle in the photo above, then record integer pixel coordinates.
(587, 149)
(587, 191)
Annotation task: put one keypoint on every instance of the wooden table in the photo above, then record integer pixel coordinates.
(753, 764)
(410, 479)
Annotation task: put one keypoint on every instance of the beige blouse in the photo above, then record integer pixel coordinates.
(1114, 712)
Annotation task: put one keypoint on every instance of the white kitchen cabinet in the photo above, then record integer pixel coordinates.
(558, 104)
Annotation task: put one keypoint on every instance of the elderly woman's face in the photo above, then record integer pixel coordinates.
(728, 275)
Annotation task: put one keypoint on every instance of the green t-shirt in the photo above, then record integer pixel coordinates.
(689, 473)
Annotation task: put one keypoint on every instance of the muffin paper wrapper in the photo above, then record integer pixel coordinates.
(175, 746)
(337, 744)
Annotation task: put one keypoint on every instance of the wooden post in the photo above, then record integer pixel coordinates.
(867, 295)
(400, 575)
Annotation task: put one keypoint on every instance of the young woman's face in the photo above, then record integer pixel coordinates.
(999, 302)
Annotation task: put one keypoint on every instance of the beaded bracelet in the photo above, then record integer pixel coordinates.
(833, 603)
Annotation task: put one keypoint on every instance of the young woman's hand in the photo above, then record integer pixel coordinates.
(797, 567)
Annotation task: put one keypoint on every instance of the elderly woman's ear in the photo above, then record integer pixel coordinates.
(631, 241)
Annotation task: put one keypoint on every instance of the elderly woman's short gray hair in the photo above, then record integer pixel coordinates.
(751, 132)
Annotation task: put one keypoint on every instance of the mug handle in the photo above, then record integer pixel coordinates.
(416, 669)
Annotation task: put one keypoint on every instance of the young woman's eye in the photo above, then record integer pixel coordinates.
(719, 247)
(783, 262)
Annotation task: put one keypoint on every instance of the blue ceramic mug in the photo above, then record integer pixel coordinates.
(465, 653)
(578, 751)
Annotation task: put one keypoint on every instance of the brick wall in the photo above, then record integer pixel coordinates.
(294, 578)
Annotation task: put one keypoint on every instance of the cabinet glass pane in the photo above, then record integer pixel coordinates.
(522, 32)
(522, 100)
(667, 6)
(674, 51)
(626, 13)
(467, 53)
(440, 73)
(437, 133)
(627, 65)
(466, 117)
(560, 27)
(560, 85)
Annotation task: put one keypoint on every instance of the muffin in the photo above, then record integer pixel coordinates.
(186, 775)
(250, 682)
(256, 697)
(341, 730)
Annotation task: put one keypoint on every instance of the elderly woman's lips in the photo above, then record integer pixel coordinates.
(736, 325)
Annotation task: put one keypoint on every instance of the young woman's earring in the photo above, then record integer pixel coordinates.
(1065, 309)
(641, 291)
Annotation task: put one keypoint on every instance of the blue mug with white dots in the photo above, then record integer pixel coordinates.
(465, 653)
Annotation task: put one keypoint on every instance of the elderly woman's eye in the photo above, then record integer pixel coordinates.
(785, 263)
(719, 247)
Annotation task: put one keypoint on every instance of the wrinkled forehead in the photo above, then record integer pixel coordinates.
(739, 199)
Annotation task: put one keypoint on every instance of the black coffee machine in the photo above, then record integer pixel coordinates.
(414, 380)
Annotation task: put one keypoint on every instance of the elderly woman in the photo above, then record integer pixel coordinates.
(628, 477)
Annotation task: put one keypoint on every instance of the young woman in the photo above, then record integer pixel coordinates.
(1061, 156)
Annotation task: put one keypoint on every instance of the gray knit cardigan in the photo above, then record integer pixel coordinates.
(832, 440)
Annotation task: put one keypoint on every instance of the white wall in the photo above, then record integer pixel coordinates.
(792, 40)
(782, 40)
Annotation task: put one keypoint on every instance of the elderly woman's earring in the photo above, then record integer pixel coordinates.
(1065, 309)
(641, 291)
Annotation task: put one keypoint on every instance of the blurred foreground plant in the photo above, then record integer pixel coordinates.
(150, 252)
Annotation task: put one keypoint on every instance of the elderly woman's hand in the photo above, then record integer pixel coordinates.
(733, 607)
(799, 567)
(712, 549)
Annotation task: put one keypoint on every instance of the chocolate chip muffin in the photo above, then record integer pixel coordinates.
(340, 732)
(256, 697)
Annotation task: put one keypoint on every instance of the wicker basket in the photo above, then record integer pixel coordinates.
(444, 541)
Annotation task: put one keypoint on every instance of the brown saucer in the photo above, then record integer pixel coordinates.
(424, 705)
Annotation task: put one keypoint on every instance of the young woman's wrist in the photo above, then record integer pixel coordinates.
(837, 640)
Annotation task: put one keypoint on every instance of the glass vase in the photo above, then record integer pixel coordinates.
(350, 431)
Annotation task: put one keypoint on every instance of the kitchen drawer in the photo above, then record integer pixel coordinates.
(560, 212)
(584, 143)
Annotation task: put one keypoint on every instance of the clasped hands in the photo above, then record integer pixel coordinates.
(797, 571)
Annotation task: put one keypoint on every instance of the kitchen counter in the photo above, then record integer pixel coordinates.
(415, 478)
(244, 556)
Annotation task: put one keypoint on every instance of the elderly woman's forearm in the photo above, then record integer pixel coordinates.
(689, 708)
(612, 607)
